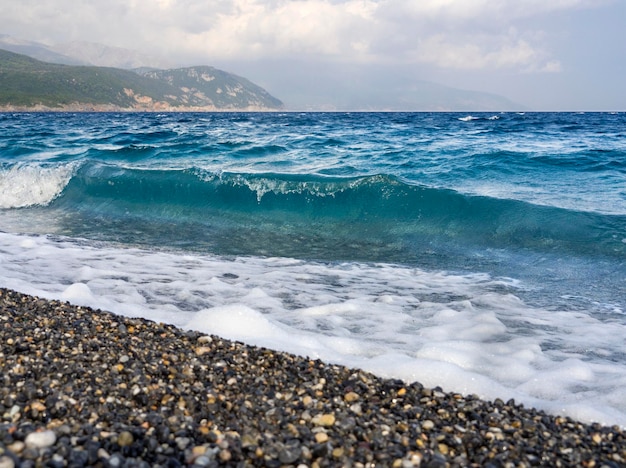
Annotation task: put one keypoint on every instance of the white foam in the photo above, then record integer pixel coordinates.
(465, 333)
(29, 184)
(78, 293)
(574, 193)
(238, 322)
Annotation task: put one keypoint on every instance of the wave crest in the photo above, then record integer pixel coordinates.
(375, 208)
(30, 184)
(288, 184)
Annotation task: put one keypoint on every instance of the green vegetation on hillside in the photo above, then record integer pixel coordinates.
(26, 82)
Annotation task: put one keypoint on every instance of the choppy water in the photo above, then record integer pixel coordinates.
(484, 254)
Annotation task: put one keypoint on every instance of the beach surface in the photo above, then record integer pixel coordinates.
(83, 387)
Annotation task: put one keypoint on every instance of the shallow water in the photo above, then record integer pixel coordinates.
(484, 255)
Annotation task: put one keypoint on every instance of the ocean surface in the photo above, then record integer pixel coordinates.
(481, 253)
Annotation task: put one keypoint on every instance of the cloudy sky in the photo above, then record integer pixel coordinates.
(544, 54)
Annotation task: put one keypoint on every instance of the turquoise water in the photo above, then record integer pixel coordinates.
(522, 217)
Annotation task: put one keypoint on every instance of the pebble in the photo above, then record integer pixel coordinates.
(225, 456)
(428, 425)
(321, 437)
(202, 350)
(82, 387)
(125, 439)
(202, 461)
(39, 440)
(289, 454)
(182, 442)
(38, 406)
(17, 446)
(325, 420)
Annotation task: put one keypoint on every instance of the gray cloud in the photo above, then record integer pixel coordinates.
(445, 33)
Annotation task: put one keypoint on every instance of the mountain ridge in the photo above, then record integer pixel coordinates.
(30, 84)
(303, 85)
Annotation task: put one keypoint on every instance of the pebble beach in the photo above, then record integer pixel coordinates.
(83, 387)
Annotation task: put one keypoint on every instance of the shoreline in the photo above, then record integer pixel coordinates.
(110, 108)
(86, 387)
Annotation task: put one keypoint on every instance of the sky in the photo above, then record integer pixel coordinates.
(543, 54)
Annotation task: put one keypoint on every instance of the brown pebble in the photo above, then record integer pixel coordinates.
(38, 406)
(225, 455)
(125, 439)
(202, 350)
(325, 420)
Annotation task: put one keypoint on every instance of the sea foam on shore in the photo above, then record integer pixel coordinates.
(468, 333)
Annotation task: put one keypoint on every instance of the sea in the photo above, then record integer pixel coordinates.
(483, 253)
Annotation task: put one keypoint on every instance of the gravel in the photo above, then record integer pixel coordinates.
(83, 387)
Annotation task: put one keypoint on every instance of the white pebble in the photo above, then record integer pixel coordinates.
(428, 425)
(6, 462)
(16, 447)
(41, 439)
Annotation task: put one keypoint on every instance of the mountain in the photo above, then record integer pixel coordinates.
(303, 84)
(426, 95)
(306, 85)
(37, 51)
(82, 53)
(93, 53)
(30, 84)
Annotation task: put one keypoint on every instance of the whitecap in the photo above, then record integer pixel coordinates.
(30, 184)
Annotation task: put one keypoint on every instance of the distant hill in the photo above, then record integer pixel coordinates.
(198, 85)
(30, 84)
(306, 85)
(37, 51)
(93, 53)
(82, 53)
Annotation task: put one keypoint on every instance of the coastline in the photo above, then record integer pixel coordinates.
(155, 108)
(86, 387)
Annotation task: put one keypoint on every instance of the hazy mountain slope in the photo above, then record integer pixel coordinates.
(309, 86)
(37, 51)
(101, 55)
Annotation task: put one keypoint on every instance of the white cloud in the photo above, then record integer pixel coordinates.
(483, 52)
(253, 28)
(463, 34)
(553, 66)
